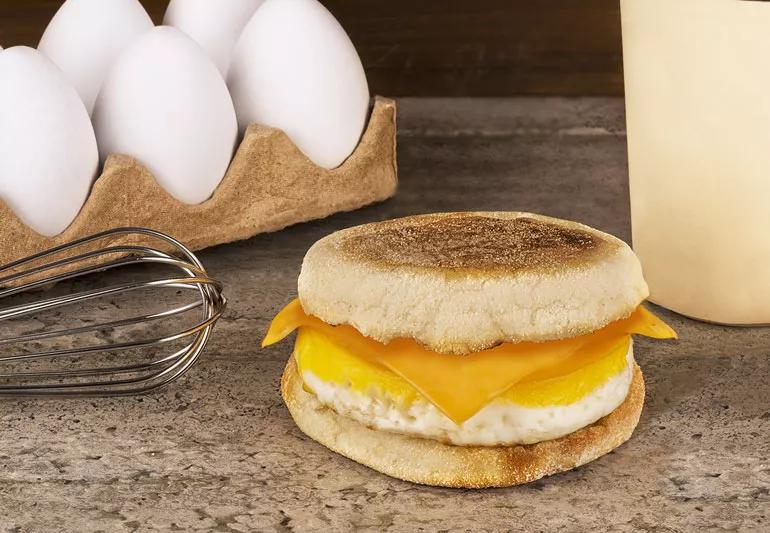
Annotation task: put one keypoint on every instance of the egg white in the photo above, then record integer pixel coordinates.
(502, 422)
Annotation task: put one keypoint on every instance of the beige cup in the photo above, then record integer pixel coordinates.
(698, 112)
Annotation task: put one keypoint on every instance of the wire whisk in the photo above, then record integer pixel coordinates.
(104, 353)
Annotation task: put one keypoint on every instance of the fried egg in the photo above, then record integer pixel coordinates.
(527, 413)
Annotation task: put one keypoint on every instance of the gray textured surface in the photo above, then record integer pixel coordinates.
(218, 452)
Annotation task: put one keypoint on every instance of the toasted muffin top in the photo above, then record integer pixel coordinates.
(481, 242)
(462, 282)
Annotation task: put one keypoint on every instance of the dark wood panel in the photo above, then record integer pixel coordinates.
(447, 47)
(487, 47)
(23, 21)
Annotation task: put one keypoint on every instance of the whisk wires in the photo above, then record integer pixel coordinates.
(29, 367)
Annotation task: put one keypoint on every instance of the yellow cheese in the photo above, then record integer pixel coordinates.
(460, 386)
(332, 363)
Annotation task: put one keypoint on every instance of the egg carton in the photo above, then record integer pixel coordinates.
(270, 185)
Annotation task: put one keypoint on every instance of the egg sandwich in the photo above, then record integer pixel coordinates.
(467, 349)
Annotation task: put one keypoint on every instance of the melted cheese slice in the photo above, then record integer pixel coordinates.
(460, 386)
(329, 362)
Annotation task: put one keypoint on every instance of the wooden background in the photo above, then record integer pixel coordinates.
(446, 47)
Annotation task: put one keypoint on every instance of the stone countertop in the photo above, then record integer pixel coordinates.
(217, 451)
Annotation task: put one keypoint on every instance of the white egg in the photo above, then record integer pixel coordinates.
(216, 26)
(294, 68)
(165, 103)
(48, 154)
(85, 37)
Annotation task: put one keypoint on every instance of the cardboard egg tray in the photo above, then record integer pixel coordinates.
(270, 185)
